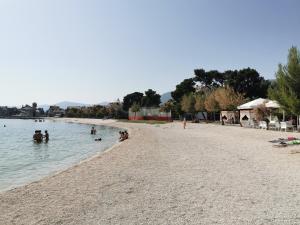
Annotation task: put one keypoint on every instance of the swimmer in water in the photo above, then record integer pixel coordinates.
(46, 136)
(93, 131)
(38, 137)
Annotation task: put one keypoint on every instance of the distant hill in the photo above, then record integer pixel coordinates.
(66, 104)
(63, 105)
(103, 103)
(165, 97)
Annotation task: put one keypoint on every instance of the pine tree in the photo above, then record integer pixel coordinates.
(286, 88)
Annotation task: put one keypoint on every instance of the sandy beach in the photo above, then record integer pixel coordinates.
(206, 174)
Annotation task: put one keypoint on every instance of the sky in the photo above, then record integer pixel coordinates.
(91, 51)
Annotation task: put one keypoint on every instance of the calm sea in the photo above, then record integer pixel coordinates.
(23, 161)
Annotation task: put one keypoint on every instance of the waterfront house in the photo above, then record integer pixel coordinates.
(55, 111)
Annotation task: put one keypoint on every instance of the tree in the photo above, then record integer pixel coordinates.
(247, 81)
(115, 110)
(211, 79)
(200, 103)
(262, 112)
(168, 106)
(286, 88)
(131, 98)
(185, 87)
(211, 104)
(187, 103)
(34, 106)
(151, 99)
(135, 108)
(228, 99)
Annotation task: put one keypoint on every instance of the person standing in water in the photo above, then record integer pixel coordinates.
(38, 137)
(46, 136)
(184, 123)
(93, 131)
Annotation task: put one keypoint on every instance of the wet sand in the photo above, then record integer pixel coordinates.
(206, 174)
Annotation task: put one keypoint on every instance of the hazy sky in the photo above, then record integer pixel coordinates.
(93, 50)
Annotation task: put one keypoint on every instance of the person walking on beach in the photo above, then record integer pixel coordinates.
(184, 123)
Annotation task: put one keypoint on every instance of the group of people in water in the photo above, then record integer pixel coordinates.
(38, 137)
(40, 120)
(94, 132)
(123, 135)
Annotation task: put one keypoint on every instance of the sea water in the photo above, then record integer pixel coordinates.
(22, 160)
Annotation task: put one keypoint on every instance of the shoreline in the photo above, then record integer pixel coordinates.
(55, 173)
(166, 175)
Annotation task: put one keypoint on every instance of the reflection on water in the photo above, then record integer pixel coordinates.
(22, 160)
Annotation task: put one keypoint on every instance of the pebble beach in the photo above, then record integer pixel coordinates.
(205, 174)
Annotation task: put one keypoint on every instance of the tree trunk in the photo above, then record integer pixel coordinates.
(204, 117)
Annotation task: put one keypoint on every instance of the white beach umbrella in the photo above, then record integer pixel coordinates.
(253, 104)
(272, 104)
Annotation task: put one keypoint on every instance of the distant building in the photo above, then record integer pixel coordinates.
(4, 111)
(56, 111)
(147, 113)
(26, 111)
(41, 111)
(8, 111)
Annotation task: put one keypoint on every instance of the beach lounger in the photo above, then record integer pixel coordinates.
(286, 125)
(263, 125)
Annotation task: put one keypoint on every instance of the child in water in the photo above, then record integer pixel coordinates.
(46, 136)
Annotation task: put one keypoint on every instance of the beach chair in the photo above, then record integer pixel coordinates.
(274, 125)
(277, 126)
(262, 124)
(286, 125)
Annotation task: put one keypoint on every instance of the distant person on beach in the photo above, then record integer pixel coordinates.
(46, 136)
(4, 125)
(93, 131)
(223, 123)
(184, 123)
(98, 139)
(38, 137)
